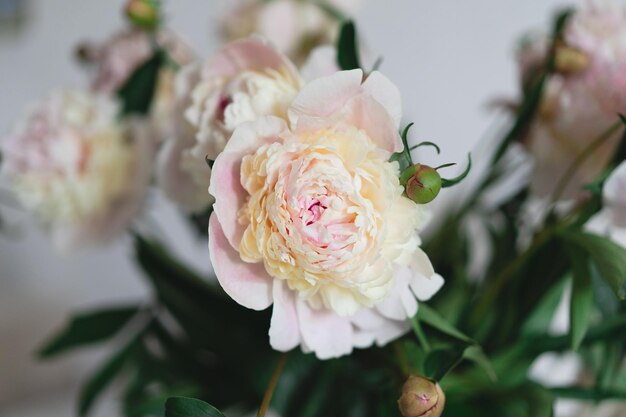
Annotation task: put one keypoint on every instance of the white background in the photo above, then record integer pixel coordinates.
(450, 58)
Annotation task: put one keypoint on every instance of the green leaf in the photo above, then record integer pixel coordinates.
(89, 328)
(189, 407)
(347, 47)
(441, 361)
(428, 316)
(538, 322)
(446, 183)
(588, 394)
(476, 355)
(103, 377)
(581, 301)
(138, 91)
(609, 257)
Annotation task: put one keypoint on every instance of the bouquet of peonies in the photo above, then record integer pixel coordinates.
(287, 154)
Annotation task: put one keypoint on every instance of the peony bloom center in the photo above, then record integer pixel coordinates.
(315, 216)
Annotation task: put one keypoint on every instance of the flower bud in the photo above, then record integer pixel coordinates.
(143, 13)
(421, 397)
(568, 60)
(421, 182)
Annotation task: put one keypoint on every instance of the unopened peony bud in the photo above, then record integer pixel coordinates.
(421, 397)
(569, 60)
(143, 13)
(421, 182)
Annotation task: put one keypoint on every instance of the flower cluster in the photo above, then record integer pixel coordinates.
(581, 97)
(78, 168)
(304, 25)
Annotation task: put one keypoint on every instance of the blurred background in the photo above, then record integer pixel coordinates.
(449, 58)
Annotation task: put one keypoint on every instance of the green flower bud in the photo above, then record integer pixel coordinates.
(421, 183)
(143, 13)
(421, 397)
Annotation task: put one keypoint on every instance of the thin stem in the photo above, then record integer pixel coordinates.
(402, 359)
(575, 165)
(419, 332)
(271, 386)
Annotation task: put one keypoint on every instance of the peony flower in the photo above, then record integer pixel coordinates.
(598, 31)
(244, 81)
(294, 27)
(310, 217)
(82, 172)
(579, 99)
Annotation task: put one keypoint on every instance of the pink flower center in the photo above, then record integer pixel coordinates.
(312, 213)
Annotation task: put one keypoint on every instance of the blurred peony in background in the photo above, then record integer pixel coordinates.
(451, 59)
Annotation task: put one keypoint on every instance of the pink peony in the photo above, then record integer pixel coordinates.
(599, 31)
(294, 27)
(245, 80)
(581, 100)
(310, 218)
(78, 168)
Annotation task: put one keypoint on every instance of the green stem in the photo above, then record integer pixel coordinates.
(421, 336)
(402, 359)
(271, 386)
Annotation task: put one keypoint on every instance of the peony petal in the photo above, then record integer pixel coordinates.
(386, 93)
(425, 287)
(247, 137)
(177, 183)
(225, 183)
(325, 96)
(252, 54)
(286, 35)
(421, 264)
(284, 329)
(365, 113)
(391, 331)
(247, 284)
(400, 303)
(322, 62)
(230, 196)
(324, 332)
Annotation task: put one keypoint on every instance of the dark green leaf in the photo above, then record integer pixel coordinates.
(609, 257)
(347, 47)
(104, 376)
(581, 301)
(588, 394)
(476, 355)
(89, 328)
(431, 318)
(138, 91)
(189, 407)
(538, 322)
(441, 361)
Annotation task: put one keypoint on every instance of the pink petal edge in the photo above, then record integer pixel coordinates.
(247, 284)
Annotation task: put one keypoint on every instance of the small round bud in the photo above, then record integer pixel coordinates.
(421, 397)
(143, 13)
(421, 183)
